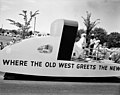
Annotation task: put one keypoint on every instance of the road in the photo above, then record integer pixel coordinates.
(17, 87)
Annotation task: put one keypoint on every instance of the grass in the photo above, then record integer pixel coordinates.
(5, 39)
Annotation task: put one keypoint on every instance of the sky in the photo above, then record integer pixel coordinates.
(108, 11)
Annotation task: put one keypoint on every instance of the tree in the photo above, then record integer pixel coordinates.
(14, 32)
(89, 24)
(113, 39)
(101, 34)
(2, 30)
(79, 32)
(26, 26)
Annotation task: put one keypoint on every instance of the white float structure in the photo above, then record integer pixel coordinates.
(51, 56)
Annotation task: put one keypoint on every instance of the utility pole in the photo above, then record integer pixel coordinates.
(34, 23)
(2, 26)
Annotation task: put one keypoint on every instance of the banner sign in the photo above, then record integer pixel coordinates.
(60, 68)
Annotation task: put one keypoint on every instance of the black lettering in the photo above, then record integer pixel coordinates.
(61, 65)
(114, 68)
(46, 64)
(102, 67)
(66, 65)
(54, 64)
(32, 63)
(21, 62)
(15, 62)
(36, 63)
(93, 67)
(12, 62)
(50, 64)
(6, 62)
(25, 63)
(85, 66)
(79, 66)
(117, 68)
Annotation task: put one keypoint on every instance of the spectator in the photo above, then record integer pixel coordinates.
(1, 45)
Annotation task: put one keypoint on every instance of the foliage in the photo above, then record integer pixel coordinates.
(2, 30)
(14, 32)
(98, 32)
(115, 57)
(79, 32)
(113, 39)
(101, 34)
(26, 26)
(89, 24)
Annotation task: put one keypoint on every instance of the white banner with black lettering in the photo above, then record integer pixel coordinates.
(60, 68)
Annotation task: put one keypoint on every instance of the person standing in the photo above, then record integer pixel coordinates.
(96, 47)
(79, 46)
(92, 43)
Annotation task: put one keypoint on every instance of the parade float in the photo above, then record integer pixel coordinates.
(53, 56)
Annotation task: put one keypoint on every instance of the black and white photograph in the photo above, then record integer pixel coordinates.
(59, 47)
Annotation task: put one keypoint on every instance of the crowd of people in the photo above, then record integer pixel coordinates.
(94, 50)
(11, 42)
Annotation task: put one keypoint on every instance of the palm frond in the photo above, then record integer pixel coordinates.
(24, 11)
(10, 20)
(22, 14)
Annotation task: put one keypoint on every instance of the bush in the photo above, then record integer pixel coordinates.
(116, 57)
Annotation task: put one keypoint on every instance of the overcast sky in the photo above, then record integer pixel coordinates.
(108, 11)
